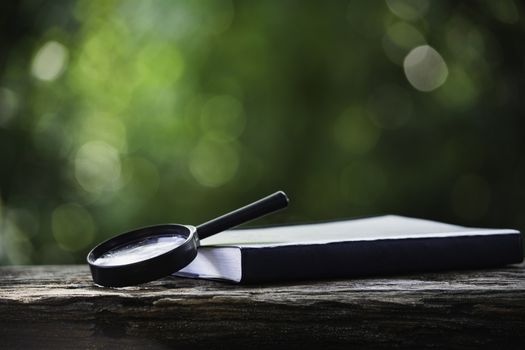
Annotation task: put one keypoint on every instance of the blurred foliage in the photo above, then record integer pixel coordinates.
(117, 114)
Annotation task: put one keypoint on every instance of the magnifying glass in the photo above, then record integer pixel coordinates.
(152, 252)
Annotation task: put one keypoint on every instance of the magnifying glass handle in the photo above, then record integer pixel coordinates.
(263, 206)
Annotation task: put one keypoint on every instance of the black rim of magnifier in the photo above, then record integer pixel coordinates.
(179, 257)
(145, 270)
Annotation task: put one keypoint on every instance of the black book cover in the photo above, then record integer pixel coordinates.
(378, 257)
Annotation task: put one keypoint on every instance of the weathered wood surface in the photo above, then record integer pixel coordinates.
(59, 307)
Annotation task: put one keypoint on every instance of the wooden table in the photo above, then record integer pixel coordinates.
(59, 307)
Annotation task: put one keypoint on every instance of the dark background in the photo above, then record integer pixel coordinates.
(117, 114)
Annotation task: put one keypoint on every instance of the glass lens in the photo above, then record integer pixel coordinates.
(139, 250)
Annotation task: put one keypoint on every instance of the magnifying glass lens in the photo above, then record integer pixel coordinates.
(140, 250)
(152, 252)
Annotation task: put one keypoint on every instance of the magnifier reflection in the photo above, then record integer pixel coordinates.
(138, 251)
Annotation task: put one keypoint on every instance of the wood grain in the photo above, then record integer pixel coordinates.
(59, 307)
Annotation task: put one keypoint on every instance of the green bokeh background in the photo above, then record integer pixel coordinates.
(117, 114)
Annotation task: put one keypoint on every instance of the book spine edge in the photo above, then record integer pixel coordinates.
(380, 257)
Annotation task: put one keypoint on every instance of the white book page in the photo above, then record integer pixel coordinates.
(382, 227)
(215, 263)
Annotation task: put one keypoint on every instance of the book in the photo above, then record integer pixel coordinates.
(383, 245)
